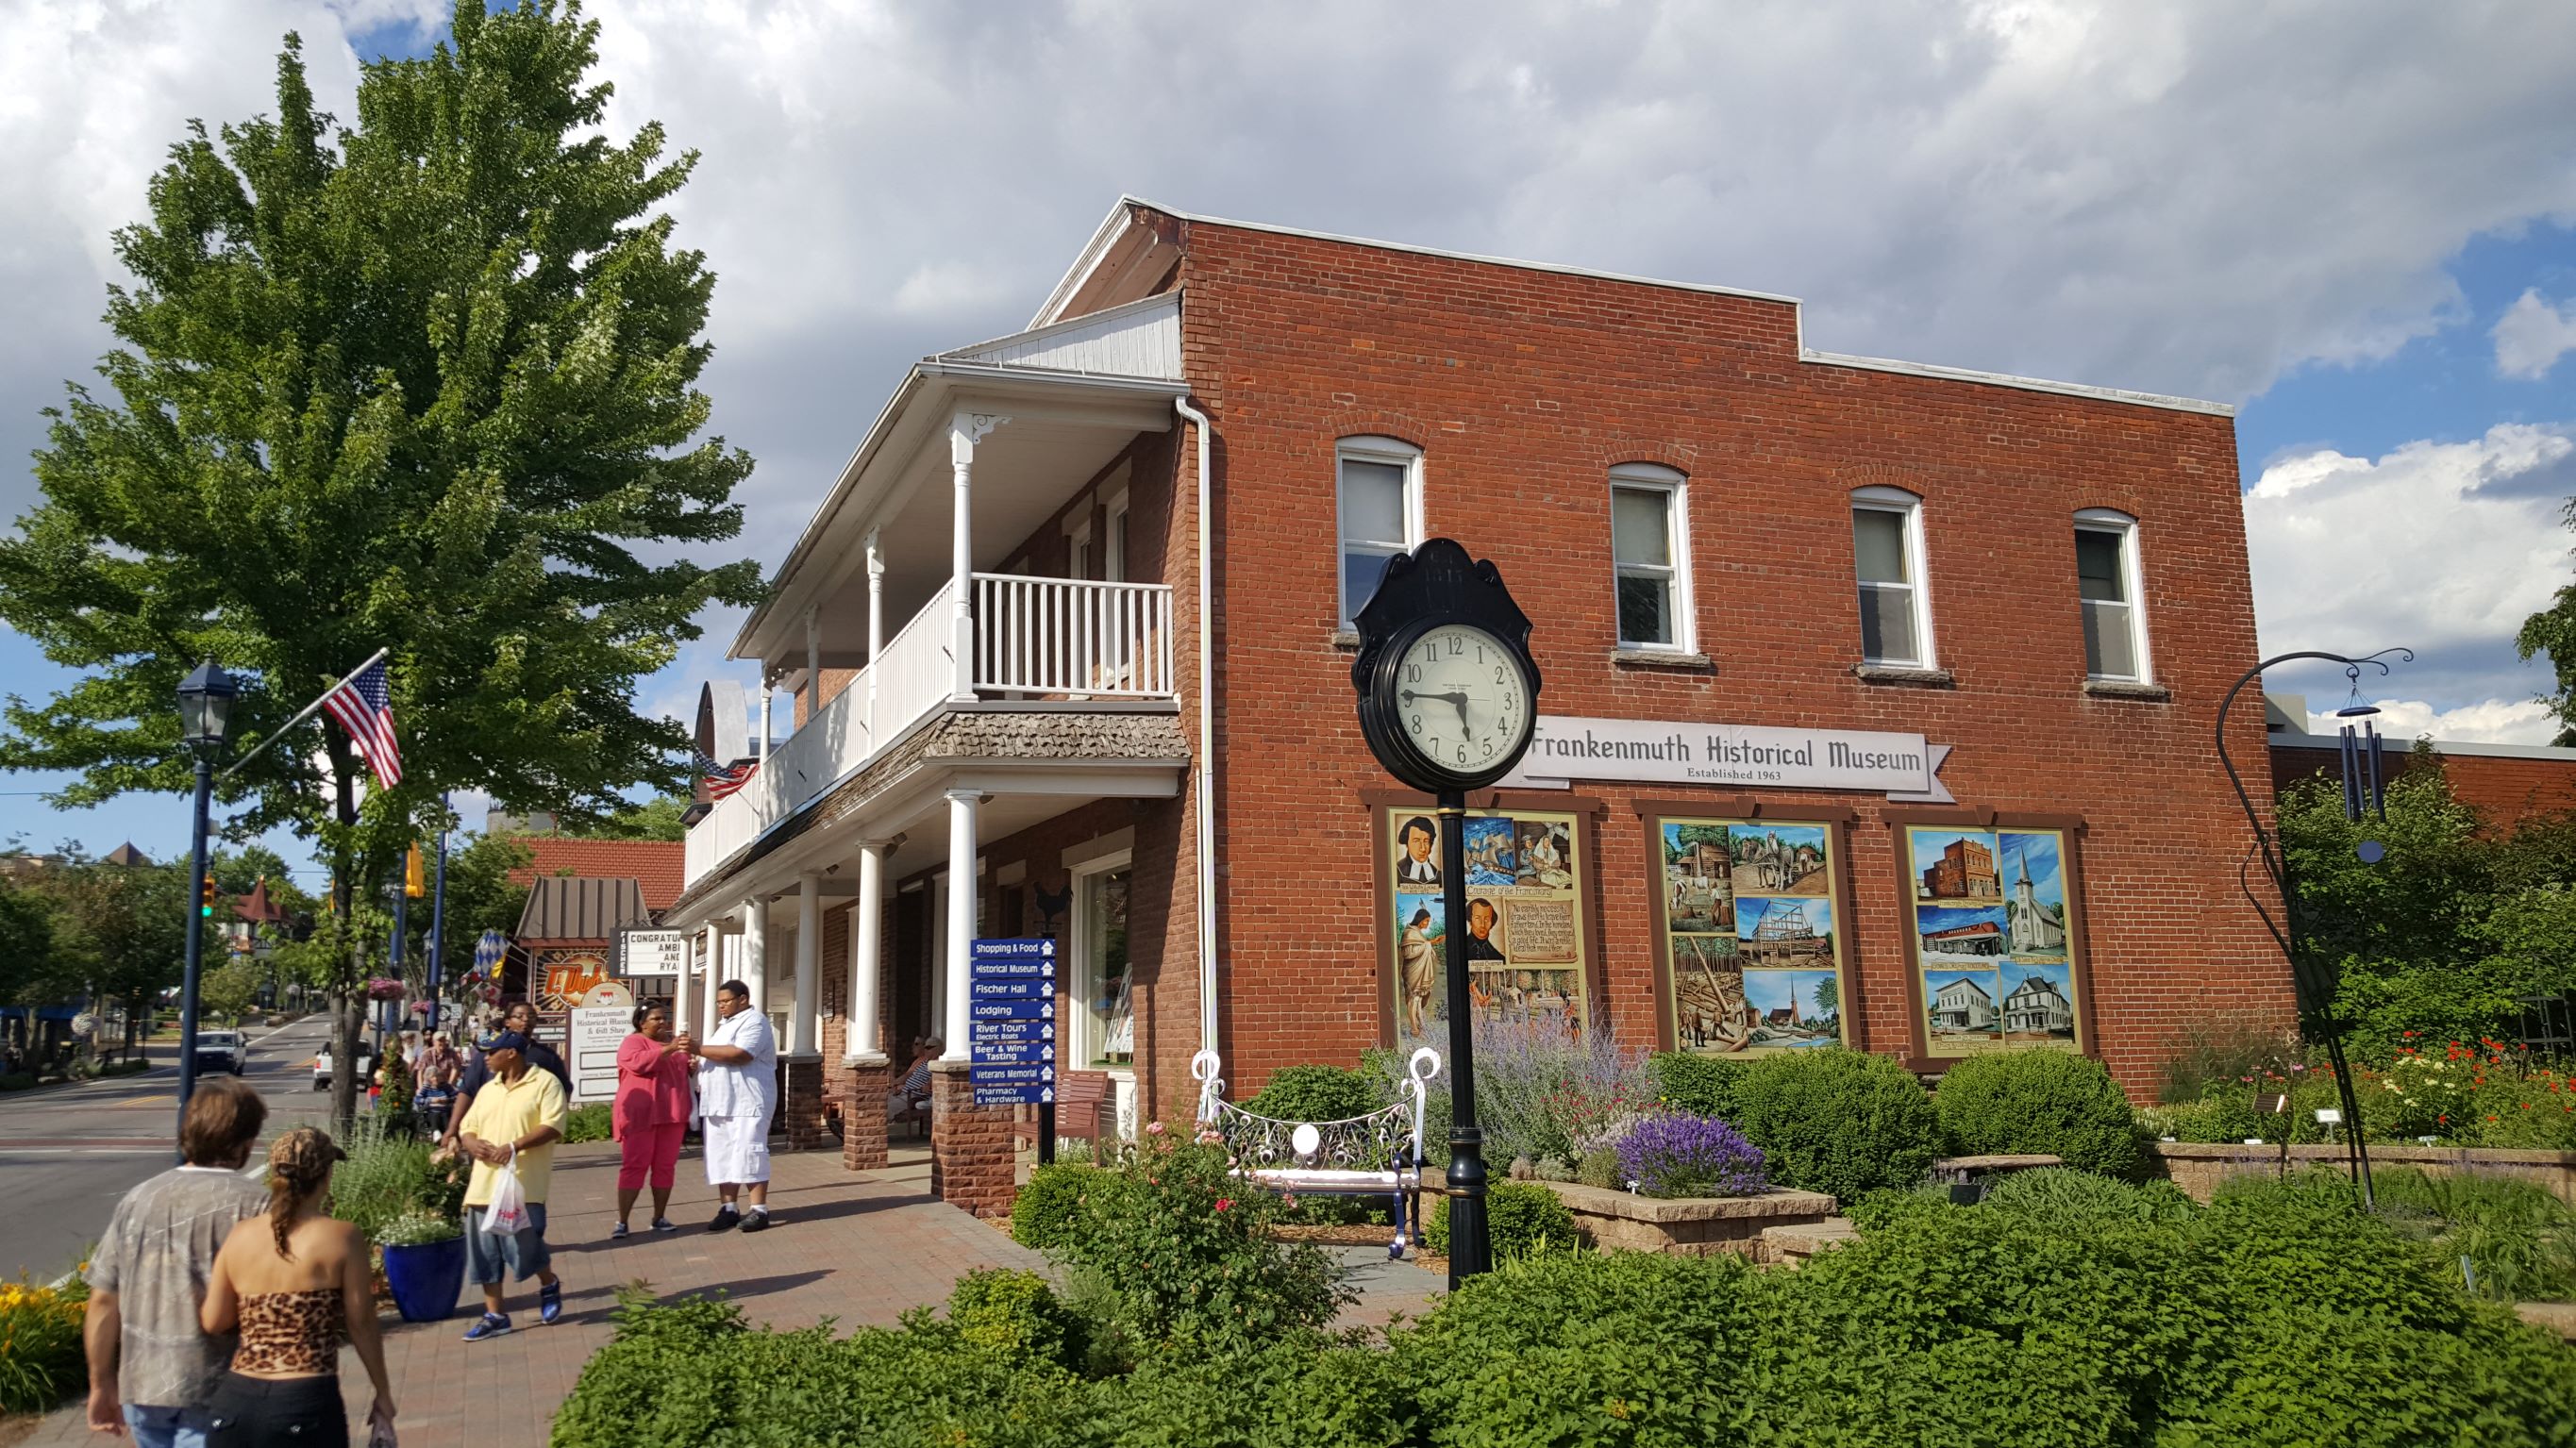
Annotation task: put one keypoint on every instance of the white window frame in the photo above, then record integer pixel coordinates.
(1370, 449)
(1113, 538)
(1086, 1045)
(1675, 485)
(1077, 545)
(2133, 577)
(1918, 568)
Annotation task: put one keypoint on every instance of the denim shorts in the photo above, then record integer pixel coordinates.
(523, 1253)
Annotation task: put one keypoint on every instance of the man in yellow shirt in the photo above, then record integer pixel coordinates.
(515, 1121)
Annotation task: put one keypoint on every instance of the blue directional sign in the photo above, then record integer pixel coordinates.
(1011, 1005)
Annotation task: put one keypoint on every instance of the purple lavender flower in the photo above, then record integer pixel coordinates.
(1682, 1155)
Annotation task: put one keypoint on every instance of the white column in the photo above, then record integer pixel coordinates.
(965, 429)
(802, 1037)
(761, 745)
(859, 1040)
(755, 952)
(938, 956)
(698, 1001)
(876, 630)
(813, 668)
(961, 917)
(715, 976)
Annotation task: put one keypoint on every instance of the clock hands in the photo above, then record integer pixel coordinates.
(1457, 697)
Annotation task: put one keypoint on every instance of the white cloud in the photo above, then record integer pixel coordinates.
(2532, 335)
(2491, 721)
(2442, 547)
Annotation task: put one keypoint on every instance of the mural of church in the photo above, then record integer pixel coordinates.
(2036, 925)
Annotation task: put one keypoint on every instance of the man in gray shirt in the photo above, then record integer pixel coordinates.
(148, 1358)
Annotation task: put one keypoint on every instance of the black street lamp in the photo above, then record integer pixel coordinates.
(205, 717)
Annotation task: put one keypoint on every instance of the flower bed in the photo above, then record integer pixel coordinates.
(2199, 1167)
(1686, 1226)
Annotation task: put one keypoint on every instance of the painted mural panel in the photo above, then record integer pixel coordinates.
(1524, 927)
(1992, 940)
(1753, 958)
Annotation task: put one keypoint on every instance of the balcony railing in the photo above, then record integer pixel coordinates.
(1034, 638)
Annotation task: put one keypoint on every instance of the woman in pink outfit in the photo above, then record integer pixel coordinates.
(650, 1113)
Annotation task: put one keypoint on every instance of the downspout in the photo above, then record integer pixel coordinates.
(1207, 744)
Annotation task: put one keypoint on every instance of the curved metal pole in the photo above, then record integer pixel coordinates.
(2288, 935)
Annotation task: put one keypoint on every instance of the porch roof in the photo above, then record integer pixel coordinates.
(1077, 391)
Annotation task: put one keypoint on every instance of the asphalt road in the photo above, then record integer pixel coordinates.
(68, 1152)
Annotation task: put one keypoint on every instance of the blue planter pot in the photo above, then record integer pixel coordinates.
(426, 1280)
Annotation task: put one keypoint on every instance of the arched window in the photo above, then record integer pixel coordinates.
(1895, 595)
(1650, 557)
(2110, 586)
(1378, 482)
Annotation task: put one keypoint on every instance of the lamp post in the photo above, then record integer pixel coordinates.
(2314, 979)
(205, 716)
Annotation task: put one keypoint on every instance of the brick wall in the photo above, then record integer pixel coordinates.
(1523, 388)
(2508, 791)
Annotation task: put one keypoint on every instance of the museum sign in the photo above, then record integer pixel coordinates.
(1900, 766)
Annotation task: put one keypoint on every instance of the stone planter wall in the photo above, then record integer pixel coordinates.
(1686, 1226)
(2198, 1167)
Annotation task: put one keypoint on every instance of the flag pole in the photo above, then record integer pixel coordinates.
(307, 714)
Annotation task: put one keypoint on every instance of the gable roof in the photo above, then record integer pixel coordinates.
(656, 866)
(580, 909)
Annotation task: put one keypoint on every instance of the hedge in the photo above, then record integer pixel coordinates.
(2054, 1102)
(1837, 1121)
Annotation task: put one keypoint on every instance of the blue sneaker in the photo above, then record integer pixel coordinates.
(493, 1325)
(549, 1303)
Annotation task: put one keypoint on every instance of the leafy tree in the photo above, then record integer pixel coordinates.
(2552, 631)
(26, 943)
(229, 990)
(425, 383)
(655, 819)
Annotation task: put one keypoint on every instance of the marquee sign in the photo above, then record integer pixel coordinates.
(1901, 766)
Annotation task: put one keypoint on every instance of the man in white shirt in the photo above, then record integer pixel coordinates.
(737, 1092)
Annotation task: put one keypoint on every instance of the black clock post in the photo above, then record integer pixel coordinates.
(1447, 700)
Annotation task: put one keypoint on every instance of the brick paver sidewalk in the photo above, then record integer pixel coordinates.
(857, 1247)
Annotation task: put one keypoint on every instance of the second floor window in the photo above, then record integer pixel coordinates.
(1887, 553)
(1650, 557)
(1380, 488)
(2106, 580)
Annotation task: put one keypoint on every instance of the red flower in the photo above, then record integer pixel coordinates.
(1224, 1202)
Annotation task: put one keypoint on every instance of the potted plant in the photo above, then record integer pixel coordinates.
(424, 1264)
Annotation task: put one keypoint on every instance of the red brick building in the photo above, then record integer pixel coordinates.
(1839, 618)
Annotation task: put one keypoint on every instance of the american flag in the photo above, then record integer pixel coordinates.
(364, 705)
(725, 779)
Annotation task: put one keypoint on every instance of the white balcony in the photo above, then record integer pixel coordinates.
(1033, 639)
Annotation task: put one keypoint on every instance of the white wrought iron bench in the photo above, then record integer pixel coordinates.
(1379, 1154)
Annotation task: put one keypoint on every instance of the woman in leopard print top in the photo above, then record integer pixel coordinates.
(295, 1282)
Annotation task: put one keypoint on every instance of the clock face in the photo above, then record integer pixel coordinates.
(1460, 699)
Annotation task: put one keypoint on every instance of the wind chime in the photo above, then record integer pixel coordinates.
(2364, 766)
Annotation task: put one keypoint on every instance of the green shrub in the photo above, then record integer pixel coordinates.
(1522, 1219)
(2075, 1203)
(1598, 1169)
(1315, 1093)
(1044, 1210)
(1185, 1245)
(396, 1099)
(1000, 1310)
(1837, 1121)
(2218, 1051)
(1701, 1085)
(18, 1081)
(387, 1175)
(588, 1123)
(2055, 1102)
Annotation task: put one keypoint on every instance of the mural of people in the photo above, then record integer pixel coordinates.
(1417, 860)
(1421, 953)
(1481, 918)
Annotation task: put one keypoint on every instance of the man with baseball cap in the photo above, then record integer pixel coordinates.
(515, 1121)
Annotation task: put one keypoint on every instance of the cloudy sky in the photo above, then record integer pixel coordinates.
(2357, 221)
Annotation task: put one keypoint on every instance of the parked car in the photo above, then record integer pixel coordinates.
(322, 1067)
(222, 1051)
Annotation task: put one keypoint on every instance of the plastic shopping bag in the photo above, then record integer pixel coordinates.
(508, 1214)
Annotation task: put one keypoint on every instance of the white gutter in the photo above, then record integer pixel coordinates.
(1207, 746)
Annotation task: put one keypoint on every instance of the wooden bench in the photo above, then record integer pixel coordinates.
(1379, 1154)
(1086, 1109)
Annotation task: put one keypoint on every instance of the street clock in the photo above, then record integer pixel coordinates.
(1448, 696)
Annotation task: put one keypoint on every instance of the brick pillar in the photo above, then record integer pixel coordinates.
(863, 1122)
(970, 1145)
(804, 1102)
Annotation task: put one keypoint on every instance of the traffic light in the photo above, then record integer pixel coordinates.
(206, 897)
(414, 884)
